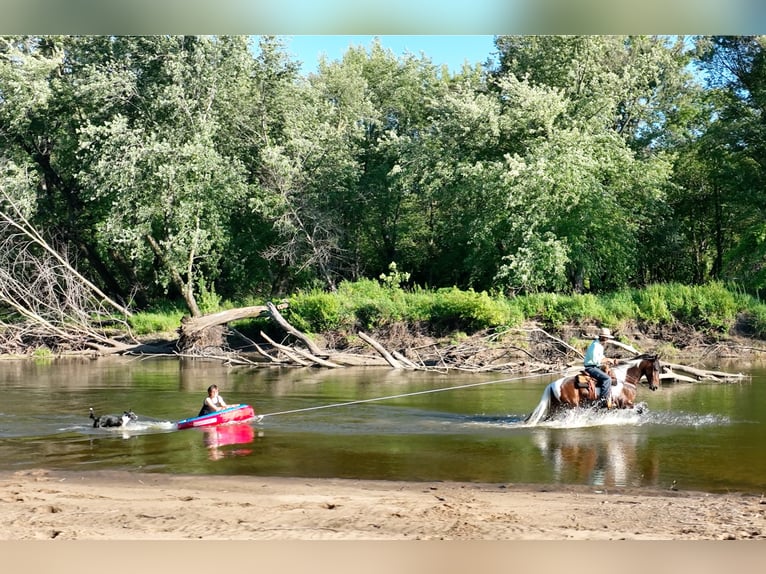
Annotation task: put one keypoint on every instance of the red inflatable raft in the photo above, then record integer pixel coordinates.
(236, 413)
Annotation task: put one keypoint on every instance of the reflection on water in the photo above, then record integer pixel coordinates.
(608, 461)
(431, 426)
(225, 435)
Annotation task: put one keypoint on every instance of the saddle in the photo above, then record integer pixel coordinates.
(583, 381)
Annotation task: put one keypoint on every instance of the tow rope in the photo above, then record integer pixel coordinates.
(389, 397)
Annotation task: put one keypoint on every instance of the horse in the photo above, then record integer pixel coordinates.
(580, 390)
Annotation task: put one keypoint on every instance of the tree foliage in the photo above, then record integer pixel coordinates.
(180, 166)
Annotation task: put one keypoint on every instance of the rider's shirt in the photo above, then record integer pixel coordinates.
(594, 356)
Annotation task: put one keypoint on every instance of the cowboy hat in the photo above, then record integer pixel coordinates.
(605, 333)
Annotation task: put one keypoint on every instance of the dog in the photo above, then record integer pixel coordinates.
(112, 420)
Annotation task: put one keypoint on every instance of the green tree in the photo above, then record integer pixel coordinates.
(124, 141)
(47, 86)
(171, 189)
(733, 157)
(586, 189)
(306, 168)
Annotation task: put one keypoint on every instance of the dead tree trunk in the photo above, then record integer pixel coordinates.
(208, 331)
(310, 345)
(380, 349)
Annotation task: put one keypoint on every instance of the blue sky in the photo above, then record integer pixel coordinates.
(450, 50)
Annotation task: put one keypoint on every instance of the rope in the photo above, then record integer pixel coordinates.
(392, 397)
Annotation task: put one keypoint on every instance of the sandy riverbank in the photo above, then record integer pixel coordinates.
(45, 505)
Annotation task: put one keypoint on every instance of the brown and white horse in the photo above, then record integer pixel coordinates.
(580, 390)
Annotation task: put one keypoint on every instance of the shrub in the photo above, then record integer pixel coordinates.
(712, 306)
(453, 309)
(755, 320)
(619, 306)
(652, 305)
(208, 300)
(373, 304)
(314, 312)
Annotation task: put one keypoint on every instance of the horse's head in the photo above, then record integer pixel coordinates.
(650, 368)
(645, 365)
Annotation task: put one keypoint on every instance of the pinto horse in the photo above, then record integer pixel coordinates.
(580, 390)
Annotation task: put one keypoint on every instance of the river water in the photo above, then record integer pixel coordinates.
(426, 427)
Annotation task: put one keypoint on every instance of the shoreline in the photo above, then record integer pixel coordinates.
(122, 505)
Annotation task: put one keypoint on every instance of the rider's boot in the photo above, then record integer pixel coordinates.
(606, 399)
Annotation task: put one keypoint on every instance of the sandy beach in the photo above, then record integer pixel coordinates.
(45, 505)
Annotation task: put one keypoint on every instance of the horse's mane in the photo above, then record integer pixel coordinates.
(638, 358)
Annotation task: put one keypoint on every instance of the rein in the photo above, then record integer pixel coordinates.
(641, 372)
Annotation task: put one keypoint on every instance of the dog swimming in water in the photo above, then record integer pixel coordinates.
(112, 420)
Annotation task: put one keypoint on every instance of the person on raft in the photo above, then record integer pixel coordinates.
(213, 402)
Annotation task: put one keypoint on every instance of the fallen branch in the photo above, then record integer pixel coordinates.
(380, 349)
(701, 374)
(257, 347)
(310, 345)
(286, 350)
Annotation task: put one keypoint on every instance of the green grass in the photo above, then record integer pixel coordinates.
(160, 319)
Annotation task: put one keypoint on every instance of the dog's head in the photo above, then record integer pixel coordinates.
(128, 416)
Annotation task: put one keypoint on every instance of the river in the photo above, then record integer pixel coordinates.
(377, 423)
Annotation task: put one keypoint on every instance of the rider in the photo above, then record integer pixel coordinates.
(594, 362)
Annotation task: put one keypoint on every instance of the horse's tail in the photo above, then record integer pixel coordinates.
(543, 407)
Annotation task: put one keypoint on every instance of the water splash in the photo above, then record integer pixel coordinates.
(138, 427)
(584, 418)
(682, 419)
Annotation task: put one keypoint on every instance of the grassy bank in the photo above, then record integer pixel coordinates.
(715, 309)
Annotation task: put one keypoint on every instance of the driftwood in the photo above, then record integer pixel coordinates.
(192, 325)
(693, 375)
(526, 351)
(380, 349)
(310, 345)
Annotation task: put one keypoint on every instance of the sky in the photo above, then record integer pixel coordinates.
(450, 50)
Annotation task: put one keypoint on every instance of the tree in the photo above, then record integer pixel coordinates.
(732, 154)
(170, 189)
(579, 187)
(307, 165)
(45, 91)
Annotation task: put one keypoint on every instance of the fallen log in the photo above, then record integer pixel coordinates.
(288, 328)
(701, 374)
(289, 352)
(380, 349)
(192, 325)
(628, 348)
(676, 378)
(208, 331)
(402, 359)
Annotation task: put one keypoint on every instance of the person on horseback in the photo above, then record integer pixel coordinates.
(594, 362)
